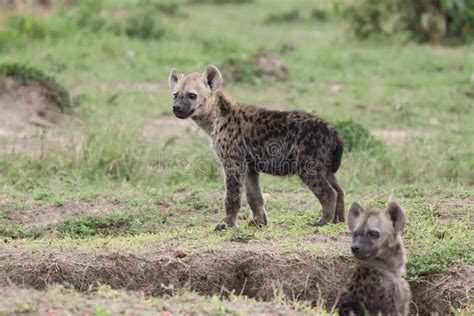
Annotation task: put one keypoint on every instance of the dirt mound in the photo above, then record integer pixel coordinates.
(236, 269)
(248, 68)
(23, 108)
(258, 275)
(447, 291)
(270, 65)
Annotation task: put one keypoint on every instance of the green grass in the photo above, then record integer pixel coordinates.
(164, 176)
(109, 301)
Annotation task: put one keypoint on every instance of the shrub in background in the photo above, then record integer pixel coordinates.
(357, 137)
(144, 24)
(437, 21)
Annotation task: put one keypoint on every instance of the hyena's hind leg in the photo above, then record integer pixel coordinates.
(325, 193)
(255, 198)
(340, 208)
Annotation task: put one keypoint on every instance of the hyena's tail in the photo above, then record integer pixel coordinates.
(337, 154)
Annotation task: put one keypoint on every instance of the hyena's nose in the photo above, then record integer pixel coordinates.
(355, 248)
(177, 108)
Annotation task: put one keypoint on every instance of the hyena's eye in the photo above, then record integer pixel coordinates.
(175, 95)
(374, 234)
(192, 96)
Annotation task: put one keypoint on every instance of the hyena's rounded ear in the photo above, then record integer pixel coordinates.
(213, 78)
(174, 78)
(354, 213)
(397, 216)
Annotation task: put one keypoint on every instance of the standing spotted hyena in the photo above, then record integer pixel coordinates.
(248, 140)
(377, 285)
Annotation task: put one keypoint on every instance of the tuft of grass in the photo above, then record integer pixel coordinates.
(89, 226)
(453, 246)
(291, 15)
(10, 230)
(241, 235)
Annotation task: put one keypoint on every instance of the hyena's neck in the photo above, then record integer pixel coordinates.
(220, 106)
(390, 259)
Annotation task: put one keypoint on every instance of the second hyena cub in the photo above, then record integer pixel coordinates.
(248, 140)
(377, 285)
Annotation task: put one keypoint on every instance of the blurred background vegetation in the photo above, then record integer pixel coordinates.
(435, 21)
(301, 49)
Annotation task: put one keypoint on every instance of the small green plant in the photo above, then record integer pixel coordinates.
(25, 75)
(319, 15)
(241, 235)
(25, 308)
(14, 231)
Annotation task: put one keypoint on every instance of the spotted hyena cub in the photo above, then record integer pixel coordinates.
(377, 285)
(249, 140)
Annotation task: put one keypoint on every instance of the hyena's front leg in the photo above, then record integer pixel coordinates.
(233, 195)
(255, 199)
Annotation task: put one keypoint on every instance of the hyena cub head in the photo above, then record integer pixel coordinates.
(192, 92)
(375, 231)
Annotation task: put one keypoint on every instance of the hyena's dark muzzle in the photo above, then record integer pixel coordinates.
(182, 109)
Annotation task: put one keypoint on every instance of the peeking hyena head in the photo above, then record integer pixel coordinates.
(374, 230)
(191, 92)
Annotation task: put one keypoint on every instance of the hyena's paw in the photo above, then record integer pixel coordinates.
(221, 226)
(259, 221)
(321, 222)
(224, 224)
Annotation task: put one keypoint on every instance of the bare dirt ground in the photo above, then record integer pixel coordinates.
(445, 210)
(237, 268)
(397, 137)
(51, 214)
